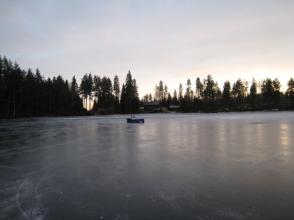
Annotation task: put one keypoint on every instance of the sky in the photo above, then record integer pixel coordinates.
(169, 40)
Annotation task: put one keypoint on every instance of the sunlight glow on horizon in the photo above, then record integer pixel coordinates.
(157, 40)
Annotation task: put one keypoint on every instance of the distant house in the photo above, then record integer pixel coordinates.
(150, 106)
(157, 107)
(173, 107)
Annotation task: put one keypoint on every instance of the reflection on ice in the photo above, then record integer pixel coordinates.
(284, 133)
(175, 166)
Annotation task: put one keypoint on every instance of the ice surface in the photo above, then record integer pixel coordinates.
(175, 166)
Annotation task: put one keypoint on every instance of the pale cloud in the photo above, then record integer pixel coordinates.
(158, 40)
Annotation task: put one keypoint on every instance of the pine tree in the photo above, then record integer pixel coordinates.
(116, 90)
(267, 91)
(239, 92)
(180, 92)
(175, 98)
(130, 97)
(199, 88)
(226, 96)
(290, 93)
(253, 95)
(116, 87)
(210, 88)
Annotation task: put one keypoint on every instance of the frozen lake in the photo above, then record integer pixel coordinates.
(175, 166)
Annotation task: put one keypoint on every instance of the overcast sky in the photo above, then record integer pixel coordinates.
(157, 40)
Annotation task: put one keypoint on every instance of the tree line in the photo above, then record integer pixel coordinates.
(101, 95)
(207, 96)
(26, 93)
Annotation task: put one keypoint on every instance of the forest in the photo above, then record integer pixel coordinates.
(26, 93)
(207, 96)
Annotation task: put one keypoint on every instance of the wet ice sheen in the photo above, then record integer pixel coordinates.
(175, 166)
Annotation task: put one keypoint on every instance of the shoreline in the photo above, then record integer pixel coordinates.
(143, 113)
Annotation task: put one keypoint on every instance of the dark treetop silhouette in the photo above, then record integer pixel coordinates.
(28, 94)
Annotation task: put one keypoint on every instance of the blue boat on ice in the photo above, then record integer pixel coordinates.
(132, 119)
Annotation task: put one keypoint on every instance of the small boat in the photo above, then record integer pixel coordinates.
(132, 119)
(135, 120)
